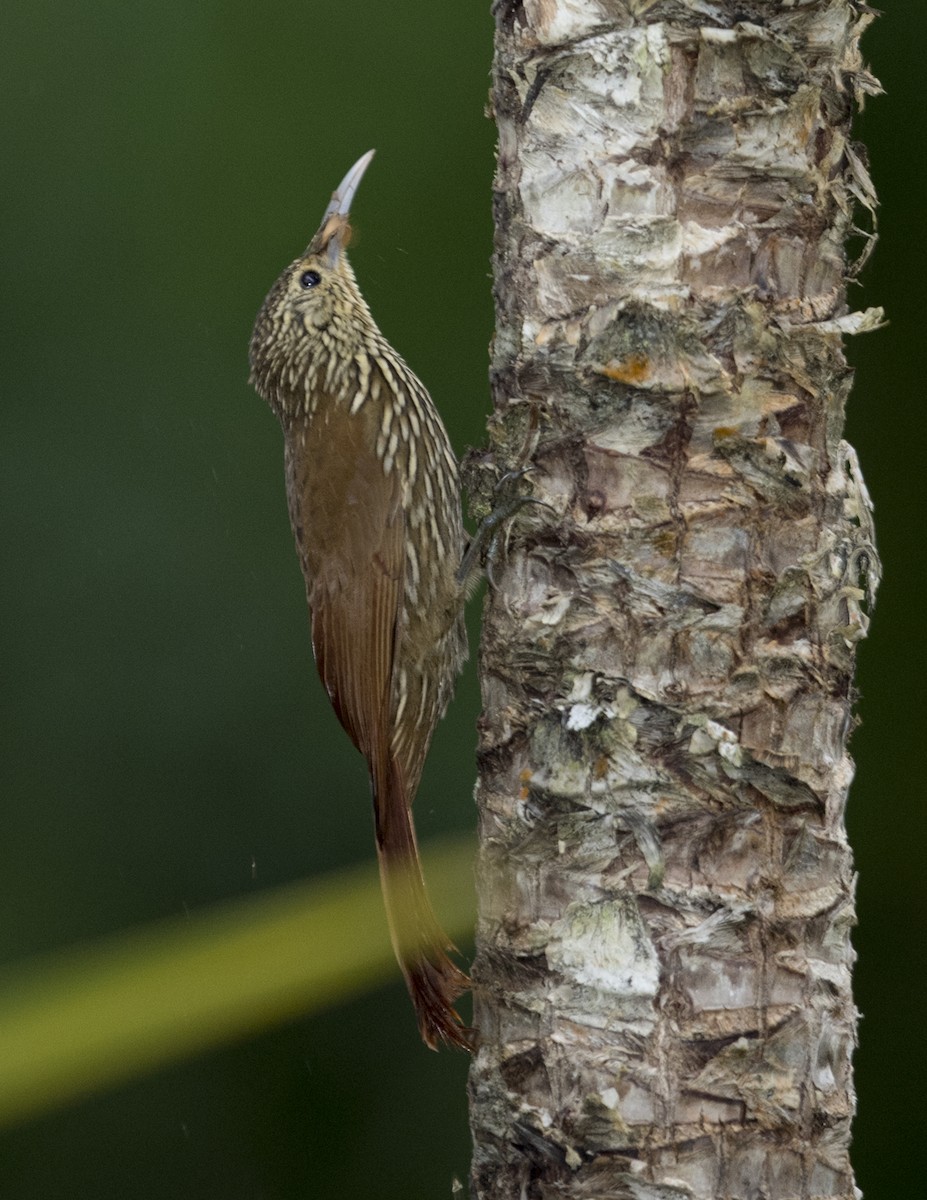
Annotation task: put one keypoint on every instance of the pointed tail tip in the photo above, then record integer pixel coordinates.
(434, 986)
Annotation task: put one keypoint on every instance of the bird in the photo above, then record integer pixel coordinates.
(373, 493)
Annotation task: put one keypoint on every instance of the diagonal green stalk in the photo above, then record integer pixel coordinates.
(95, 1015)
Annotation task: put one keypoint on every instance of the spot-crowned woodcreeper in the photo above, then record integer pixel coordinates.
(374, 499)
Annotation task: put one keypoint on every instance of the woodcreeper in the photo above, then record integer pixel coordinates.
(374, 499)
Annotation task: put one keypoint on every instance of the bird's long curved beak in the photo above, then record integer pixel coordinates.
(343, 195)
(334, 231)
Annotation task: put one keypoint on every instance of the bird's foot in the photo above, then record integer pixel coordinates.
(489, 544)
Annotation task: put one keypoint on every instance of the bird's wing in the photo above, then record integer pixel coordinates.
(350, 532)
(349, 522)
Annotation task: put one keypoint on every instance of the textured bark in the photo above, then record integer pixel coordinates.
(666, 890)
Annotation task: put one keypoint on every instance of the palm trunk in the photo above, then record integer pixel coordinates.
(666, 890)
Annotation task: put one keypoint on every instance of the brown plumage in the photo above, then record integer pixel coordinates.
(374, 499)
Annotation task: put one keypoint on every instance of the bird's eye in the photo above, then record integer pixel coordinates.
(309, 279)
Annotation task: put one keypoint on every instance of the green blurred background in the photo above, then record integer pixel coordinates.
(167, 744)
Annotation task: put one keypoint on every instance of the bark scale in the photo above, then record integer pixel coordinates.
(662, 982)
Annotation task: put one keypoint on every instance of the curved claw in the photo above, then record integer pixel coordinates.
(485, 543)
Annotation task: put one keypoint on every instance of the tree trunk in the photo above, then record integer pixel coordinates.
(662, 979)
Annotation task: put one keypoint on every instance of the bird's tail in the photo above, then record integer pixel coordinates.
(421, 945)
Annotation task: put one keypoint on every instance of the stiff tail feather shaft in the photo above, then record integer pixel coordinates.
(420, 944)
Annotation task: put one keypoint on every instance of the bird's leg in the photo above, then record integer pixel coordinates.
(490, 541)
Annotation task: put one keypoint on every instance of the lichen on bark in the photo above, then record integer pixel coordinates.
(666, 890)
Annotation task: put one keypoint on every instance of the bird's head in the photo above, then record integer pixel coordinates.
(314, 308)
